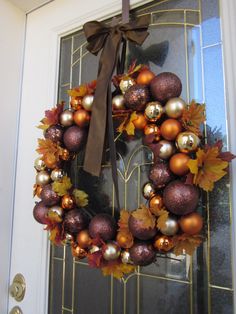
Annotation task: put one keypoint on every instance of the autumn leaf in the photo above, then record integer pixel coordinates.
(193, 116)
(117, 270)
(49, 150)
(145, 216)
(185, 243)
(52, 116)
(124, 220)
(55, 235)
(81, 198)
(62, 187)
(207, 168)
(82, 90)
(163, 216)
(95, 259)
(128, 125)
(54, 217)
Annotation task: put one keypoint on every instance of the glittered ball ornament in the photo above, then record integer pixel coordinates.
(156, 204)
(81, 118)
(75, 220)
(163, 243)
(179, 164)
(39, 164)
(153, 129)
(42, 178)
(87, 102)
(142, 254)
(54, 133)
(136, 97)
(191, 223)
(170, 129)
(66, 117)
(138, 229)
(125, 239)
(40, 212)
(160, 175)
(174, 107)
(83, 239)
(118, 102)
(180, 198)
(125, 257)
(145, 77)
(153, 111)
(67, 202)
(74, 138)
(126, 83)
(170, 227)
(165, 86)
(48, 196)
(164, 150)
(148, 190)
(78, 252)
(57, 174)
(187, 142)
(110, 251)
(103, 226)
(140, 122)
(55, 213)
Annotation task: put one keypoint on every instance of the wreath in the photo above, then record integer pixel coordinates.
(183, 165)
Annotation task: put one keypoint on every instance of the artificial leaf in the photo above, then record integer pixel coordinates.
(82, 90)
(54, 217)
(145, 216)
(163, 216)
(189, 178)
(117, 270)
(51, 116)
(128, 125)
(123, 221)
(62, 187)
(43, 127)
(55, 235)
(193, 116)
(95, 259)
(81, 198)
(185, 243)
(227, 156)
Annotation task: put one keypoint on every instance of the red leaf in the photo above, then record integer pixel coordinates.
(52, 116)
(227, 156)
(94, 259)
(189, 178)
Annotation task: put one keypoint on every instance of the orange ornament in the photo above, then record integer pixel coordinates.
(67, 202)
(170, 129)
(179, 164)
(145, 77)
(83, 239)
(78, 252)
(163, 243)
(76, 102)
(153, 129)
(191, 223)
(81, 117)
(125, 239)
(140, 122)
(155, 204)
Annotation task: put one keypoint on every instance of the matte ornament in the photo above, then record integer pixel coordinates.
(57, 174)
(103, 226)
(66, 118)
(54, 133)
(170, 129)
(74, 138)
(145, 77)
(110, 251)
(118, 102)
(48, 196)
(142, 254)
(160, 175)
(163, 243)
(187, 142)
(191, 223)
(148, 190)
(75, 221)
(140, 122)
(83, 239)
(156, 204)
(165, 86)
(87, 102)
(81, 118)
(125, 257)
(164, 150)
(40, 213)
(153, 129)
(126, 83)
(174, 107)
(42, 178)
(179, 164)
(180, 198)
(67, 202)
(39, 164)
(138, 231)
(153, 111)
(136, 97)
(78, 252)
(170, 227)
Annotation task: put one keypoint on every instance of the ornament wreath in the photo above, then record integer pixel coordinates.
(183, 166)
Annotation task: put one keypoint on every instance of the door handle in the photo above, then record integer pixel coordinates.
(16, 310)
(17, 288)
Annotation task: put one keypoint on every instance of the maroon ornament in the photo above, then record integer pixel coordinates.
(74, 138)
(48, 196)
(40, 213)
(138, 231)
(75, 220)
(180, 198)
(160, 175)
(142, 254)
(136, 97)
(54, 133)
(103, 226)
(164, 86)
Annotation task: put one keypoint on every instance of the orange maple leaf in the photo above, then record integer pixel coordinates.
(161, 220)
(49, 150)
(117, 270)
(185, 243)
(52, 116)
(207, 168)
(128, 125)
(82, 90)
(124, 220)
(193, 116)
(55, 235)
(145, 216)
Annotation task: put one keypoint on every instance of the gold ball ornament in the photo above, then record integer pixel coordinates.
(148, 190)
(110, 251)
(125, 257)
(170, 129)
(126, 83)
(170, 227)
(68, 239)
(156, 204)
(191, 223)
(57, 174)
(55, 213)
(163, 243)
(140, 122)
(39, 164)
(83, 239)
(153, 129)
(118, 102)
(78, 252)
(42, 178)
(145, 77)
(166, 149)
(187, 142)
(81, 118)
(153, 111)
(66, 117)
(87, 102)
(174, 107)
(179, 164)
(67, 202)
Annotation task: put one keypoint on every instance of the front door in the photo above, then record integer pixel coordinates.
(188, 35)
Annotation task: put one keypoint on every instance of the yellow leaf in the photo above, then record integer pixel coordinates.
(128, 125)
(118, 270)
(163, 216)
(80, 91)
(43, 127)
(62, 187)
(55, 235)
(81, 198)
(54, 217)
(145, 216)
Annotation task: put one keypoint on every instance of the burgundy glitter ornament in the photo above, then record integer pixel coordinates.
(40, 212)
(75, 220)
(54, 133)
(74, 138)
(160, 175)
(180, 198)
(164, 86)
(48, 196)
(136, 97)
(138, 231)
(103, 226)
(142, 254)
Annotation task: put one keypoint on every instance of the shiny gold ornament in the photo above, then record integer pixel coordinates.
(140, 122)
(126, 83)
(42, 178)
(166, 149)
(179, 164)
(68, 239)
(153, 129)
(66, 118)
(153, 111)
(191, 223)
(156, 204)
(87, 102)
(170, 129)
(145, 77)
(39, 164)
(67, 202)
(78, 252)
(118, 102)
(75, 103)
(55, 213)
(94, 249)
(57, 174)
(65, 154)
(171, 226)
(125, 257)
(81, 118)
(187, 142)
(163, 243)
(110, 251)
(148, 190)
(83, 239)
(174, 107)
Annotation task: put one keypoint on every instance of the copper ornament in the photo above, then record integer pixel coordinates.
(191, 223)
(163, 243)
(170, 129)
(179, 164)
